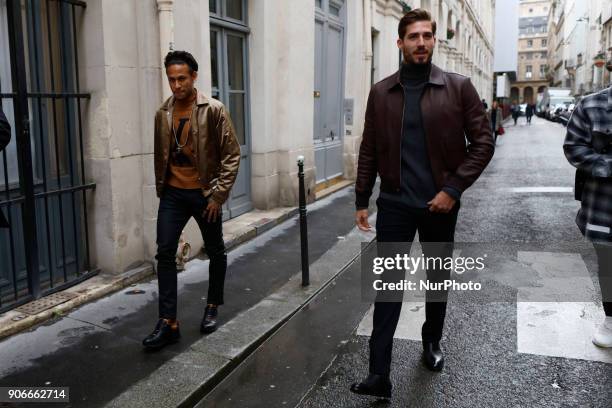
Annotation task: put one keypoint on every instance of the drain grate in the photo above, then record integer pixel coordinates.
(45, 303)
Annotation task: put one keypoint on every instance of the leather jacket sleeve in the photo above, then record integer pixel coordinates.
(480, 140)
(229, 150)
(5, 131)
(366, 165)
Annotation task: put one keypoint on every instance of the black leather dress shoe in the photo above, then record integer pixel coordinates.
(432, 356)
(209, 321)
(163, 335)
(375, 385)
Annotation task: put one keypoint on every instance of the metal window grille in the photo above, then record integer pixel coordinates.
(43, 188)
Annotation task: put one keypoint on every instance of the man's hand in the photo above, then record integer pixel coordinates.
(361, 219)
(212, 211)
(441, 203)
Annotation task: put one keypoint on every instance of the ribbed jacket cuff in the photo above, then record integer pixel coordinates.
(362, 201)
(453, 192)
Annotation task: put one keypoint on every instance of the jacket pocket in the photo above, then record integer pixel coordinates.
(602, 140)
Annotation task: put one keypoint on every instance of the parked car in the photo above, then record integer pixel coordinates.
(554, 98)
(564, 116)
(523, 108)
(539, 111)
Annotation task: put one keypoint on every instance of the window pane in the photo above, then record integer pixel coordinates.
(236, 108)
(214, 59)
(235, 62)
(335, 10)
(234, 9)
(212, 6)
(318, 3)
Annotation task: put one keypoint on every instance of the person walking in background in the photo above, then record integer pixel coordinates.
(515, 110)
(5, 138)
(529, 111)
(496, 119)
(196, 156)
(587, 147)
(416, 124)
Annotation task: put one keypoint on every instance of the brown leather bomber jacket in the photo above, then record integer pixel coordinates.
(451, 112)
(215, 145)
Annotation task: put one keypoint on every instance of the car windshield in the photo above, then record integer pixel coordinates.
(561, 101)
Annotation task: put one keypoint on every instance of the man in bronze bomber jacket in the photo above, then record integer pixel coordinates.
(416, 125)
(196, 163)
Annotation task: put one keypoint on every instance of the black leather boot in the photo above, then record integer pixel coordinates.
(209, 321)
(432, 355)
(375, 385)
(163, 335)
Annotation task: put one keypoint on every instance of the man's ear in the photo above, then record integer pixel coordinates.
(194, 75)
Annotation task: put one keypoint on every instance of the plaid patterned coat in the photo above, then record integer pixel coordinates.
(588, 146)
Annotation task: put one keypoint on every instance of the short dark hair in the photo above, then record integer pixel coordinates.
(412, 17)
(181, 58)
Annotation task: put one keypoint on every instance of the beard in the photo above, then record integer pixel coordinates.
(411, 58)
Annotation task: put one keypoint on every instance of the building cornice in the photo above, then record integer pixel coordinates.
(476, 24)
(389, 8)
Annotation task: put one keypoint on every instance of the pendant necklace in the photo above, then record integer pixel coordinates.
(179, 147)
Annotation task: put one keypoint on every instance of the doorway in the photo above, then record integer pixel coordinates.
(330, 16)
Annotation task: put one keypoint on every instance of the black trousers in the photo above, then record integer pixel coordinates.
(176, 207)
(604, 262)
(398, 223)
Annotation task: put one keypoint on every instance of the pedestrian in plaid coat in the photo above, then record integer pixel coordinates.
(588, 147)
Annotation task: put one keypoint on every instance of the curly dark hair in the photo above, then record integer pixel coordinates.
(412, 17)
(181, 57)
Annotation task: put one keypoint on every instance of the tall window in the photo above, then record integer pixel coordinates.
(529, 43)
(544, 42)
(229, 75)
(542, 71)
(228, 9)
(228, 59)
(528, 71)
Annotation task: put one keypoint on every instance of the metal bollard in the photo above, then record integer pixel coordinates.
(303, 223)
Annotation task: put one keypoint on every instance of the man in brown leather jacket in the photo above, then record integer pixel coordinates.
(196, 163)
(416, 126)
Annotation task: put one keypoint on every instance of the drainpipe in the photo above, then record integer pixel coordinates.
(367, 21)
(166, 38)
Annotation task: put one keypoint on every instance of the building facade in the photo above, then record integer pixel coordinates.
(294, 75)
(579, 49)
(606, 40)
(505, 64)
(532, 51)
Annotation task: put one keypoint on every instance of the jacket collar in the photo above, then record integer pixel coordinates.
(436, 77)
(201, 100)
(609, 109)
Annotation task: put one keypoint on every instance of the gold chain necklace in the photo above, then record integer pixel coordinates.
(179, 147)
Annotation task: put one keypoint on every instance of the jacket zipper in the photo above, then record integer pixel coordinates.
(401, 133)
(167, 145)
(196, 141)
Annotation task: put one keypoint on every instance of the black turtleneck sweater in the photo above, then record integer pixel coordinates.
(417, 182)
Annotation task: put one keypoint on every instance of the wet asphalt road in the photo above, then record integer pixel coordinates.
(313, 359)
